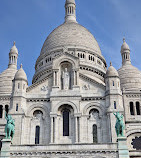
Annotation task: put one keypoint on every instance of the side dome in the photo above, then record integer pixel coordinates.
(111, 72)
(71, 34)
(6, 78)
(20, 74)
(130, 77)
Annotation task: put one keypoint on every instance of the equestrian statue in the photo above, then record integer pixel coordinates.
(10, 127)
(119, 124)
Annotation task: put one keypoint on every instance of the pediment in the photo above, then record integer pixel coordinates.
(65, 57)
(91, 81)
(41, 87)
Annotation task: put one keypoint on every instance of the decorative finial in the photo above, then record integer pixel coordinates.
(110, 63)
(14, 43)
(21, 66)
(123, 39)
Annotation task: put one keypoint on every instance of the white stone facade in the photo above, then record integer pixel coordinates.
(76, 122)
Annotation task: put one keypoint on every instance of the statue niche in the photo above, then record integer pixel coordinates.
(66, 77)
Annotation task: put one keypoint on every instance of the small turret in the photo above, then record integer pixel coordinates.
(20, 81)
(13, 56)
(125, 53)
(70, 8)
(112, 80)
(113, 98)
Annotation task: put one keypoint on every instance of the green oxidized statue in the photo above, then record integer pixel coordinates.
(10, 127)
(119, 124)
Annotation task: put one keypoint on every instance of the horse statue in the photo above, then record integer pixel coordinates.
(10, 127)
(119, 124)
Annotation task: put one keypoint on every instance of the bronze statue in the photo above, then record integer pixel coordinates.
(119, 124)
(10, 127)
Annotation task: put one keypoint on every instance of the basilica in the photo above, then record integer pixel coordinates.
(67, 112)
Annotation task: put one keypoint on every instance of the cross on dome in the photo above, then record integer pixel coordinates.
(110, 63)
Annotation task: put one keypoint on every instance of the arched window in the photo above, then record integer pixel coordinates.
(18, 85)
(132, 108)
(37, 135)
(6, 109)
(94, 133)
(115, 106)
(113, 83)
(17, 107)
(89, 57)
(138, 108)
(66, 122)
(1, 110)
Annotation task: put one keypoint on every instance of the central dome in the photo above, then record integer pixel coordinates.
(71, 34)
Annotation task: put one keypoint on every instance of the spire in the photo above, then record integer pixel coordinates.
(125, 53)
(110, 63)
(70, 8)
(13, 55)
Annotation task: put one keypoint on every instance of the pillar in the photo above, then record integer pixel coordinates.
(77, 128)
(122, 147)
(3, 112)
(53, 78)
(5, 150)
(52, 130)
(74, 76)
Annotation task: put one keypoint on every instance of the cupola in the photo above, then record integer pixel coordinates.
(20, 75)
(13, 56)
(70, 8)
(111, 72)
(125, 53)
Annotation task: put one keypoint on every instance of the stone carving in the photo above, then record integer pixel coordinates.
(44, 88)
(86, 87)
(10, 127)
(66, 79)
(119, 124)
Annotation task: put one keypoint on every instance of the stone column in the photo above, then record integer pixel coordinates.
(53, 78)
(3, 112)
(76, 129)
(77, 78)
(5, 150)
(53, 128)
(134, 108)
(51, 139)
(74, 78)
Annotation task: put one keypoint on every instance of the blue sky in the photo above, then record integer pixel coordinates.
(29, 22)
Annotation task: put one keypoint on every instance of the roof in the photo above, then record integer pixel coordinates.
(71, 34)
(130, 77)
